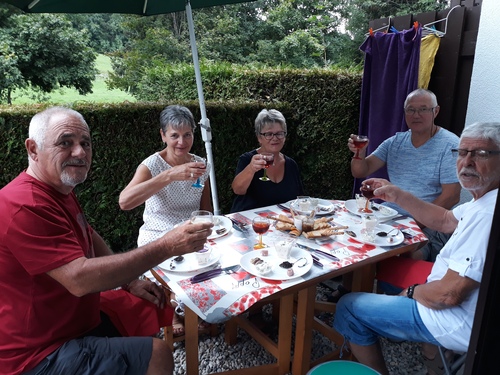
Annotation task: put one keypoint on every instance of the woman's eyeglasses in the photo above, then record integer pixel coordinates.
(270, 135)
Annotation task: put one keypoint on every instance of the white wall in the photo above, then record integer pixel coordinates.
(484, 96)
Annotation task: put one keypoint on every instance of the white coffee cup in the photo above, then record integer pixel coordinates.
(203, 255)
(284, 248)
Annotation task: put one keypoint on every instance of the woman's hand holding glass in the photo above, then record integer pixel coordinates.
(195, 159)
(269, 160)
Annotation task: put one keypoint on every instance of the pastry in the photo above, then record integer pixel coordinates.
(284, 226)
(282, 218)
(322, 233)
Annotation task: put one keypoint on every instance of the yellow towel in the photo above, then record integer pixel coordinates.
(428, 49)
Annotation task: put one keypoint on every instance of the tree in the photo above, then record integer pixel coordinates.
(44, 52)
(105, 30)
(293, 33)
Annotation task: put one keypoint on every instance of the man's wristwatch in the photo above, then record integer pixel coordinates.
(410, 291)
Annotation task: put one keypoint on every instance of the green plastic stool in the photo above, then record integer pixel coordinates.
(342, 368)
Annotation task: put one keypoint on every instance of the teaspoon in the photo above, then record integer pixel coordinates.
(385, 234)
(286, 264)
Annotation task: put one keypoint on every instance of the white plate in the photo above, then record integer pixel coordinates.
(277, 273)
(189, 264)
(327, 207)
(379, 241)
(384, 213)
(225, 223)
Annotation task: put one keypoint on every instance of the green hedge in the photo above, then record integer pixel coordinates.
(323, 112)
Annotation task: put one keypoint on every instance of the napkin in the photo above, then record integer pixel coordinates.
(134, 316)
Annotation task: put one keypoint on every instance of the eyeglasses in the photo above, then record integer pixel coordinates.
(475, 154)
(420, 111)
(270, 135)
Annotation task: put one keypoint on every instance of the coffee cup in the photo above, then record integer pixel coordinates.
(203, 255)
(284, 248)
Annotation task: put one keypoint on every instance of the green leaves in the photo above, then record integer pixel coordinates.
(46, 53)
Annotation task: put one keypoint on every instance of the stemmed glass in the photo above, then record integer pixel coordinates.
(269, 158)
(367, 192)
(200, 216)
(198, 183)
(260, 225)
(359, 142)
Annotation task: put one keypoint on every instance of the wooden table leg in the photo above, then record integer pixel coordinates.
(303, 331)
(363, 279)
(285, 333)
(191, 341)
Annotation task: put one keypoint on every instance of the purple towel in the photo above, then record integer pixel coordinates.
(390, 74)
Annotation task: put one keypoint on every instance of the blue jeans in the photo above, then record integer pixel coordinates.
(363, 317)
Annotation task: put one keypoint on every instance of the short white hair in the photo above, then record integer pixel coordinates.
(41, 121)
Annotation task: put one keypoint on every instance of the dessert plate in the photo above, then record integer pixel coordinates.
(219, 223)
(325, 206)
(277, 272)
(390, 240)
(189, 263)
(383, 213)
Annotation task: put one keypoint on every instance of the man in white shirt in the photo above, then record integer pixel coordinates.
(441, 311)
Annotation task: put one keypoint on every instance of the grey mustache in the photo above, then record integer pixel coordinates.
(75, 162)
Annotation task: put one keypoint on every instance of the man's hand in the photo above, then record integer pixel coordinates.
(383, 189)
(148, 290)
(186, 238)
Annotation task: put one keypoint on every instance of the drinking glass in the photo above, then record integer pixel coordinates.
(200, 216)
(260, 225)
(367, 192)
(369, 224)
(359, 143)
(198, 183)
(269, 158)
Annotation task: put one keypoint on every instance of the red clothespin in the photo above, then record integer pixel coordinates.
(371, 31)
(415, 25)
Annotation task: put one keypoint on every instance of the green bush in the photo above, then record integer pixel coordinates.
(321, 111)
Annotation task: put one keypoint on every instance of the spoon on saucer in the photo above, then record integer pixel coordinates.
(385, 234)
(286, 264)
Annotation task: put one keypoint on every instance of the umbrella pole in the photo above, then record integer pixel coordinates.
(206, 130)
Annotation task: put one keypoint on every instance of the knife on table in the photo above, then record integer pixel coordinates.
(214, 273)
(237, 225)
(319, 252)
(283, 207)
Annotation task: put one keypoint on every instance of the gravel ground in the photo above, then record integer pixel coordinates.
(216, 356)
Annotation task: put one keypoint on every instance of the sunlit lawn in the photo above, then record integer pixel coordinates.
(100, 94)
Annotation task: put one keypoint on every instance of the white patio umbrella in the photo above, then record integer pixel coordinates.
(145, 8)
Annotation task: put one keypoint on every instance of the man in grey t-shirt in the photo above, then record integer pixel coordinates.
(419, 161)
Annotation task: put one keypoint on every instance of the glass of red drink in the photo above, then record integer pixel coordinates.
(269, 159)
(367, 192)
(260, 225)
(359, 142)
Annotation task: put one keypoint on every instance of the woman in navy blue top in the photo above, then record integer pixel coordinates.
(284, 177)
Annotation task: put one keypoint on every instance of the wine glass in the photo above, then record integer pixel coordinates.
(198, 183)
(359, 142)
(201, 216)
(269, 158)
(260, 225)
(367, 192)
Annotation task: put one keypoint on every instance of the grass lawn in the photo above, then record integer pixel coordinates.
(100, 94)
